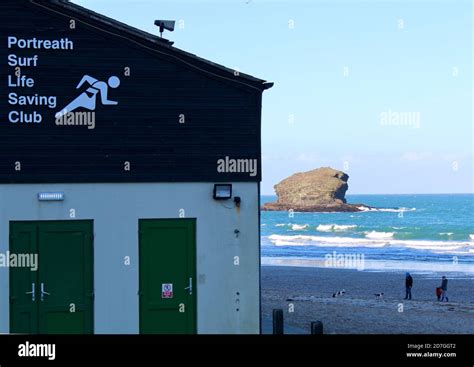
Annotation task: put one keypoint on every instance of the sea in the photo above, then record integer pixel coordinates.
(432, 234)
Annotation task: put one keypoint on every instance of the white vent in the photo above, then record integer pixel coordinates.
(50, 196)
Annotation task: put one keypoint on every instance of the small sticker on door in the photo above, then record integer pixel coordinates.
(167, 290)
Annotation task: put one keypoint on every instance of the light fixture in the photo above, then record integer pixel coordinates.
(222, 191)
(51, 196)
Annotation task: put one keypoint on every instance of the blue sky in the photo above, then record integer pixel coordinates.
(344, 71)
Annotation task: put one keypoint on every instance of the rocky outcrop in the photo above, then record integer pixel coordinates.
(319, 190)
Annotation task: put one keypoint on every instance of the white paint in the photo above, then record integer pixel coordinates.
(115, 209)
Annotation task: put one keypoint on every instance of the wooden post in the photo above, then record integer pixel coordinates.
(316, 327)
(277, 322)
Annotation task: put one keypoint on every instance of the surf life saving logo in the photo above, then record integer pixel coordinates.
(87, 100)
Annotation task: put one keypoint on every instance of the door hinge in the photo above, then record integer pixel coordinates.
(92, 295)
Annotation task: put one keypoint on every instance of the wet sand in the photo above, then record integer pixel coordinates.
(359, 311)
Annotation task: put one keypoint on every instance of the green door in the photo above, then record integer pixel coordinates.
(167, 276)
(62, 302)
(23, 281)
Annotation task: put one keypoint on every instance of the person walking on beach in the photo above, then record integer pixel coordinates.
(444, 289)
(408, 285)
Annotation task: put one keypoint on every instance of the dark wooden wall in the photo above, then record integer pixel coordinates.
(222, 117)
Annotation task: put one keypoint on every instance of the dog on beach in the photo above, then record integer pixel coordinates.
(339, 293)
(378, 295)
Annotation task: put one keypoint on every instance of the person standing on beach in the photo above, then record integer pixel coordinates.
(408, 285)
(444, 289)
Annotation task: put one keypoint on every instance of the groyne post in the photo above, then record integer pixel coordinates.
(316, 327)
(277, 321)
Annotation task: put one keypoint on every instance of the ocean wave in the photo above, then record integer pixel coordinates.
(379, 235)
(459, 247)
(293, 227)
(390, 210)
(471, 237)
(334, 227)
(299, 227)
(446, 233)
(304, 240)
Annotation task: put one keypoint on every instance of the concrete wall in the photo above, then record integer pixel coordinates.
(115, 209)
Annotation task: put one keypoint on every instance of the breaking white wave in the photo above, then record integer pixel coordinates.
(390, 210)
(334, 227)
(458, 247)
(293, 227)
(471, 237)
(455, 270)
(379, 235)
(303, 240)
(298, 227)
(446, 233)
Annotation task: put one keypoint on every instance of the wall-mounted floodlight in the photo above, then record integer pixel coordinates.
(51, 196)
(222, 191)
(165, 24)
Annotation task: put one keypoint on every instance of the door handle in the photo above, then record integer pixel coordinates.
(190, 287)
(33, 292)
(43, 292)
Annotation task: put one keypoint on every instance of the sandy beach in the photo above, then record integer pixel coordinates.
(359, 311)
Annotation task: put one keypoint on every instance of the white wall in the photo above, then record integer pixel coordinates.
(115, 209)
